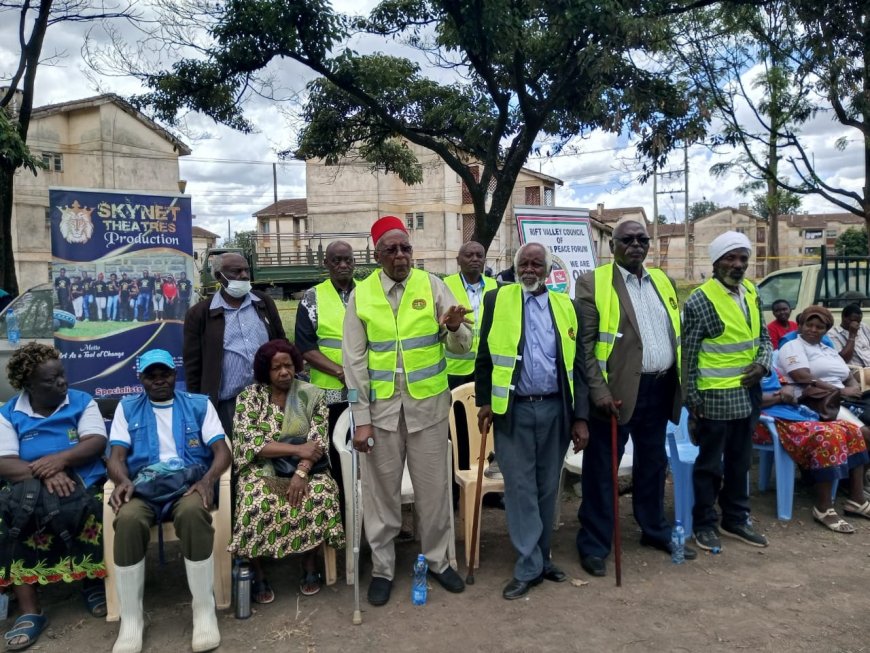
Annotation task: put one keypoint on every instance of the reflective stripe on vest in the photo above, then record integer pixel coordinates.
(607, 305)
(414, 330)
(504, 340)
(330, 321)
(721, 360)
(463, 364)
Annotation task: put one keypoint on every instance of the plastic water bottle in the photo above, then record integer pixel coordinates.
(13, 332)
(175, 463)
(420, 589)
(678, 543)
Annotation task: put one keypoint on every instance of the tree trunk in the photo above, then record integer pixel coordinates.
(8, 279)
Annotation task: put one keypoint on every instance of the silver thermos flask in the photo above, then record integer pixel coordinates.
(244, 577)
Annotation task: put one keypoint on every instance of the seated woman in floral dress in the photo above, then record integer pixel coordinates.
(277, 516)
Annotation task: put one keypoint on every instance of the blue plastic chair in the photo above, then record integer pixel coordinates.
(681, 455)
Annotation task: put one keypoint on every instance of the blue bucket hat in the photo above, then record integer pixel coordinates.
(154, 357)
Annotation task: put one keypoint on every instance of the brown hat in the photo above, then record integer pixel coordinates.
(820, 312)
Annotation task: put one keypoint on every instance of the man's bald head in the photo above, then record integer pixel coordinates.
(471, 261)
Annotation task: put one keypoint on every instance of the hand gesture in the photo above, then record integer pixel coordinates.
(121, 495)
(454, 317)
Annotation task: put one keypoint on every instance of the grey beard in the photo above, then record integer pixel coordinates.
(533, 288)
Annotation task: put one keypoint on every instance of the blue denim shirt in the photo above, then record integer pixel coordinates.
(538, 375)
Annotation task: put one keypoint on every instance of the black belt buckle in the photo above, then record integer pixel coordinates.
(537, 397)
(656, 375)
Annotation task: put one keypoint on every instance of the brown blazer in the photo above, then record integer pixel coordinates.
(624, 364)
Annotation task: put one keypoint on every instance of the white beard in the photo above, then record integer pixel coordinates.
(536, 286)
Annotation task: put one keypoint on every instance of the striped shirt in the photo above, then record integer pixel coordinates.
(701, 321)
(652, 320)
(244, 333)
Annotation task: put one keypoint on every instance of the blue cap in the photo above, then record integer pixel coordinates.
(154, 357)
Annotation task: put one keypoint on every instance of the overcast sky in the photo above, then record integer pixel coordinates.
(229, 174)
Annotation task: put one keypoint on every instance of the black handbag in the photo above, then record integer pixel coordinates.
(285, 467)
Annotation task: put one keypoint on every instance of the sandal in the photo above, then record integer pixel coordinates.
(261, 592)
(29, 626)
(95, 600)
(854, 508)
(311, 579)
(830, 519)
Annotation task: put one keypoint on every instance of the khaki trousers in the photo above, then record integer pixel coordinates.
(426, 453)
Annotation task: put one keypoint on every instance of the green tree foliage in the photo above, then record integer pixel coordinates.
(501, 74)
(700, 209)
(244, 240)
(787, 202)
(852, 242)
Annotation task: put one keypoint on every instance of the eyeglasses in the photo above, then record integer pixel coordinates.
(392, 250)
(628, 240)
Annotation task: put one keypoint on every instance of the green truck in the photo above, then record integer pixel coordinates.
(834, 282)
(284, 265)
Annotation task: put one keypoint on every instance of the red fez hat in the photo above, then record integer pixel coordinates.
(385, 224)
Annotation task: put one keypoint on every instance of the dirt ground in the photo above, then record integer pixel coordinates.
(806, 592)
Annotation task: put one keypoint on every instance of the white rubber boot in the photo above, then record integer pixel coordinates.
(200, 580)
(130, 585)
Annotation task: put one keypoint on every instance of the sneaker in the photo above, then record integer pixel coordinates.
(708, 539)
(493, 471)
(746, 533)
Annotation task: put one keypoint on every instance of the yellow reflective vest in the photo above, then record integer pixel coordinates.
(504, 340)
(414, 330)
(463, 364)
(607, 304)
(721, 360)
(330, 318)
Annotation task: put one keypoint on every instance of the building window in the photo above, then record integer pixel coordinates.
(812, 251)
(533, 196)
(48, 217)
(549, 196)
(830, 233)
(760, 235)
(812, 234)
(409, 221)
(420, 221)
(264, 227)
(740, 230)
(420, 263)
(53, 161)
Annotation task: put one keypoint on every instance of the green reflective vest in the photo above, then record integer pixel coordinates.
(721, 360)
(330, 318)
(414, 330)
(607, 304)
(463, 364)
(504, 340)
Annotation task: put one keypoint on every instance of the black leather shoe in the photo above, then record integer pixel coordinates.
(449, 580)
(688, 552)
(516, 589)
(379, 590)
(554, 575)
(593, 565)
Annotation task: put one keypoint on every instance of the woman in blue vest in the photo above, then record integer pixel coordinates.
(283, 512)
(57, 436)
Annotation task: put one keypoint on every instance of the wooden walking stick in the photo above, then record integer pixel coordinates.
(475, 525)
(617, 531)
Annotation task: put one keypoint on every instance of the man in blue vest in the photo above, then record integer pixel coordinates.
(530, 385)
(630, 329)
(727, 352)
(181, 430)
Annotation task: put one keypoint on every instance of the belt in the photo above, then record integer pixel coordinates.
(656, 375)
(554, 395)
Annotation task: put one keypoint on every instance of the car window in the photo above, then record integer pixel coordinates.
(34, 310)
(785, 286)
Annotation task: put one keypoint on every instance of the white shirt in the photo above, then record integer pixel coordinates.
(90, 423)
(210, 433)
(823, 362)
(861, 352)
(652, 320)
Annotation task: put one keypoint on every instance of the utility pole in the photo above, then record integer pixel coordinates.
(655, 230)
(685, 190)
(689, 250)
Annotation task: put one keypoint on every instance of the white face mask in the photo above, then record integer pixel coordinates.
(236, 287)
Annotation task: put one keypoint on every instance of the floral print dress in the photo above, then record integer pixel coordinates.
(265, 524)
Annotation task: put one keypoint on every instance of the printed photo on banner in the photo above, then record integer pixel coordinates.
(122, 269)
(567, 233)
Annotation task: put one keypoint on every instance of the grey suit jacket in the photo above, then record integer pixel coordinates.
(624, 364)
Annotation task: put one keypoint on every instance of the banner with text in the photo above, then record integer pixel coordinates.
(568, 236)
(122, 264)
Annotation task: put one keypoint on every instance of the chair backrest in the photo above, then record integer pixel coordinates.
(341, 436)
(464, 395)
(680, 445)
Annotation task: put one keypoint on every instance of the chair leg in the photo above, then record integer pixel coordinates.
(329, 563)
(112, 608)
(784, 482)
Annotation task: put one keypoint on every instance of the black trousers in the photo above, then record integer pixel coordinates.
(647, 430)
(724, 459)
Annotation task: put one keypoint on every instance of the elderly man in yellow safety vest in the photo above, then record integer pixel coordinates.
(399, 322)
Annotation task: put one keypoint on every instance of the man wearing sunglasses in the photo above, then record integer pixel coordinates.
(397, 325)
(630, 329)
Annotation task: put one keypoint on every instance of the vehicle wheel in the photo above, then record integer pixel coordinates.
(63, 319)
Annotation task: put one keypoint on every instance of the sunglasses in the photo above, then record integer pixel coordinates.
(628, 240)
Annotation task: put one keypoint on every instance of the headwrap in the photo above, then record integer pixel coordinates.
(724, 243)
(385, 224)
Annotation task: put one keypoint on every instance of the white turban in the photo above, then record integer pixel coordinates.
(724, 243)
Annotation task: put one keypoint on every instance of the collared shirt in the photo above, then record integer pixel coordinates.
(538, 374)
(823, 362)
(652, 320)
(701, 321)
(738, 294)
(385, 413)
(475, 296)
(244, 333)
(90, 423)
(861, 352)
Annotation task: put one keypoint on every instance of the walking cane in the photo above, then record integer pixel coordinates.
(617, 531)
(475, 525)
(356, 484)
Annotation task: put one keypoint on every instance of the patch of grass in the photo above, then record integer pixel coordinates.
(684, 289)
(287, 310)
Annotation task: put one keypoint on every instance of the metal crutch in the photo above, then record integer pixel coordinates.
(356, 484)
